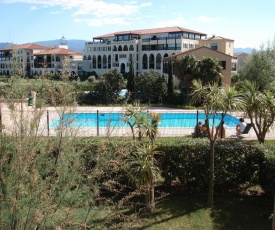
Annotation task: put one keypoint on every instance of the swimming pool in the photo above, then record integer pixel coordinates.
(168, 120)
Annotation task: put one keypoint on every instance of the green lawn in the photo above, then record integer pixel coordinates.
(229, 213)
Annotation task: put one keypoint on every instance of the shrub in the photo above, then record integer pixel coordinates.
(236, 163)
(267, 171)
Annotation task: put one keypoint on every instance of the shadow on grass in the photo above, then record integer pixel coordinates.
(230, 212)
(244, 212)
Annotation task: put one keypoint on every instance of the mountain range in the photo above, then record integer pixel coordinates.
(79, 45)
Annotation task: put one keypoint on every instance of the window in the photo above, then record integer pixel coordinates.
(104, 62)
(94, 61)
(158, 61)
(145, 62)
(223, 64)
(174, 35)
(185, 35)
(122, 56)
(214, 46)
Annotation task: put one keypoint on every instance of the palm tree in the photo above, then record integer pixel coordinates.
(214, 100)
(151, 127)
(143, 170)
(259, 107)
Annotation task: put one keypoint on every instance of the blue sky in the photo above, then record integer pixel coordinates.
(249, 23)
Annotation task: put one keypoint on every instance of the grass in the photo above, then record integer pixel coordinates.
(230, 212)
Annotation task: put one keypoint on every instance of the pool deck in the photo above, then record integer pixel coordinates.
(52, 113)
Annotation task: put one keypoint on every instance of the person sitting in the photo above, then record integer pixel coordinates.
(204, 128)
(197, 129)
(220, 130)
(241, 126)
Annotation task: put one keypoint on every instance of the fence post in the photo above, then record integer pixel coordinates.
(48, 123)
(97, 123)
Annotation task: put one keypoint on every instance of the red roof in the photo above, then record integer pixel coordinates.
(28, 46)
(60, 51)
(152, 31)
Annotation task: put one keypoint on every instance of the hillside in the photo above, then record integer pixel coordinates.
(77, 45)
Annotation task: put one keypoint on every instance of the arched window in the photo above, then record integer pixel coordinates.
(94, 62)
(84, 57)
(165, 55)
(120, 48)
(104, 62)
(145, 61)
(152, 61)
(114, 48)
(109, 62)
(158, 61)
(125, 48)
(89, 57)
(131, 48)
(99, 62)
(122, 68)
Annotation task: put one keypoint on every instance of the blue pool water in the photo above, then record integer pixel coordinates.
(168, 120)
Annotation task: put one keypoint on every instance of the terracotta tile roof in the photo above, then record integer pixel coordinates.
(28, 46)
(190, 51)
(216, 38)
(60, 51)
(151, 31)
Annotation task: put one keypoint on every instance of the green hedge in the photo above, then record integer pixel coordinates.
(236, 163)
(186, 160)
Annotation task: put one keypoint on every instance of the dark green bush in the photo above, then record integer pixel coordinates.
(236, 163)
(267, 170)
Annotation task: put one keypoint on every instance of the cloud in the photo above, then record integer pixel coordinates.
(97, 11)
(33, 8)
(206, 19)
(56, 12)
(101, 22)
(178, 21)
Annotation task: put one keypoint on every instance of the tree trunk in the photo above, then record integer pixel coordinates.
(150, 196)
(211, 175)
(273, 219)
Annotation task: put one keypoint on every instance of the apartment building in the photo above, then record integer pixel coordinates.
(146, 48)
(199, 53)
(32, 59)
(218, 43)
(240, 59)
(18, 58)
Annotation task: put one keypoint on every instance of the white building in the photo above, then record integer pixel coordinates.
(146, 48)
(18, 58)
(33, 59)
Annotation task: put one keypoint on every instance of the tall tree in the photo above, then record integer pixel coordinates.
(209, 69)
(170, 84)
(188, 68)
(186, 71)
(131, 78)
(151, 87)
(109, 88)
(215, 100)
(260, 67)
